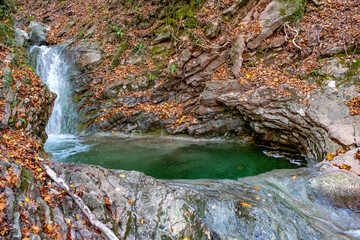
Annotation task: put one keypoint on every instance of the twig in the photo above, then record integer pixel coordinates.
(84, 208)
(318, 35)
(352, 57)
(297, 33)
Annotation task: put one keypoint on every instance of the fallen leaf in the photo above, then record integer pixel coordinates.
(27, 200)
(122, 175)
(244, 204)
(293, 178)
(131, 201)
(2, 205)
(329, 156)
(256, 188)
(258, 198)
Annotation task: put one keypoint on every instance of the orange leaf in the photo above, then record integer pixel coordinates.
(329, 156)
(131, 202)
(244, 204)
(107, 201)
(293, 178)
(256, 188)
(2, 205)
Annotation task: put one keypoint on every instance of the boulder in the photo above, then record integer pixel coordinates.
(162, 37)
(21, 37)
(38, 33)
(90, 54)
(212, 29)
(334, 68)
(276, 14)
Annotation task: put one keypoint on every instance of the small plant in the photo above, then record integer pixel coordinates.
(8, 78)
(314, 72)
(89, 8)
(137, 48)
(27, 80)
(173, 69)
(118, 31)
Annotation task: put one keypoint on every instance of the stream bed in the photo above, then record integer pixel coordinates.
(169, 157)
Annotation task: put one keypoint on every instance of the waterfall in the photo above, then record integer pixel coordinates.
(53, 68)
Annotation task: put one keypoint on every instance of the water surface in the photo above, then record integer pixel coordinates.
(169, 158)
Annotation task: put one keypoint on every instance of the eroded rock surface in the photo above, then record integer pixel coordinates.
(316, 203)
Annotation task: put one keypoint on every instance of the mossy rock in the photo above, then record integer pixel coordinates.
(191, 22)
(162, 50)
(182, 13)
(122, 48)
(26, 179)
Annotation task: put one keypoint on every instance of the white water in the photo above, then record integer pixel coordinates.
(54, 71)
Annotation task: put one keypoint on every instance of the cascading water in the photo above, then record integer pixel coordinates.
(54, 68)
(54, 71)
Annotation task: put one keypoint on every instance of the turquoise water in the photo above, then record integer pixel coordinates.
(169, 158)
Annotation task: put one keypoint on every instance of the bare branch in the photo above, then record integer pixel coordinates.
(84, 208)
